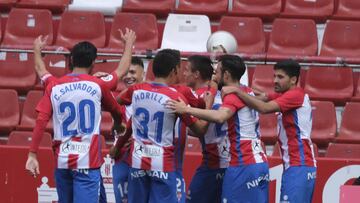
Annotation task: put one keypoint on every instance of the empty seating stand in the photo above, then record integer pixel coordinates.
(9, 111)
(350, 128)
(344, 151)
(319, 10)
(263, 78)
(212, 8)
(144, 25)
(268, 128)
(25, 25)
(330, 84)
(249, 34)
(347, 10)
(295, 38)
(56, 6)
(76, 26)
(5, 5)
(324, 123)
(266, 9)
(159, 7)
(108, 7)
(24, 138)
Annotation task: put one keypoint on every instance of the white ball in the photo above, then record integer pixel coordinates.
(223, 38)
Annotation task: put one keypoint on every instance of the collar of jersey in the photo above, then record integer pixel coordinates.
(158, 84)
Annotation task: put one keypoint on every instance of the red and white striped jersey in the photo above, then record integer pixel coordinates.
(215, 143)
(75, 102)
(294, 125)
(153, 126)
(243, 131)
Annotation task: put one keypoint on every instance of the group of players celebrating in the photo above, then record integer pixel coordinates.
(158, 117)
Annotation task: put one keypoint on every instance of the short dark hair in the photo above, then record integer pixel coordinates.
(234, 65)
(290, 67)
(83, 54)
(163, 64)
(137, 61)
(174, 52)
(202, 64)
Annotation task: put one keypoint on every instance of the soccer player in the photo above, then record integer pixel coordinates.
(208, 178)
(74, 101)
(246, 179)
(295, 122)
(152, 175)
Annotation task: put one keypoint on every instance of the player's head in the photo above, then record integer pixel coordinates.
(135, 73)
(176, 54)
(165, 66)
(198, 69)
(286, 75)
(83, 55)
(229, 69)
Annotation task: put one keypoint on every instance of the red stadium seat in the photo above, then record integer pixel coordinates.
(76, 26)
(341, 39)
(144, 25)
(23, 138)
(17, 72)
(293, 38)
(249, 33)
(324, 123)
(25, 25)
(268, 128)
(106, 125)
(193, 145)
(344, 151)
(266, 9)
(7, 4)
(56, 6)
(213, 8)
(9, 111)
(330, 84)
(347, 10)
(263, 78)
(29, 115)
(356, 97)
(159, 7)
(350, 128)
(318, 10)
(277, 150)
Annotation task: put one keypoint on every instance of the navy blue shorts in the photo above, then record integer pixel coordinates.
(120, 181)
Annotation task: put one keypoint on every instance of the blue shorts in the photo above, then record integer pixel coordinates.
(102, 197)
(206, 186)
(180, 187)
(120, 183)
(297, 184)
(248, 183)
(78, 186)
(147, 186)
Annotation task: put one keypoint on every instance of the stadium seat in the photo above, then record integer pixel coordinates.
(324, 123)
(347, 10)
(144, 25)
(9, 111)
(76, 26)
(29, 115)
(277, 150)
(25, 25)
(248, 31)
(268, 128)
(341, 39)
(350, 128)
(293, 38)
(330, 84)
(56, 6)
(319, 10)
(344, 151)
(23, 138)
(5, 5)
(106, 125)
(16, 71)
(193, 145)
(212, 8)
(356, 97)
(108, 7)
(159, 7)
(263, 78)
(187, 33)
(266, 9)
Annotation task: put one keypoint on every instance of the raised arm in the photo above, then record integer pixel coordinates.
(40, 67)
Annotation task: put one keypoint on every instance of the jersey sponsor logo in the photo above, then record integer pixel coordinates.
(142, 173)
(311, 175)
(74, 147)
(107, 78)
(150, 151)
(256, 145)
(258, 181)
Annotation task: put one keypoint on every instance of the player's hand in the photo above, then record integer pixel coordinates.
(228, 90)
(40, 42)
(177, 106)
(129, 37)
(209, 99)
(32, 165)
(100, 74)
